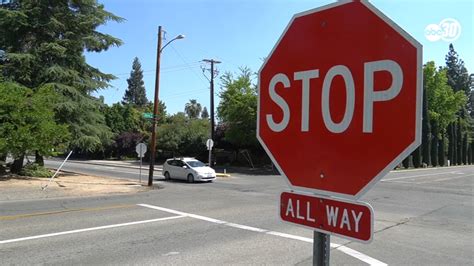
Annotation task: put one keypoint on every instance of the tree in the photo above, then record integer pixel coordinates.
(193, 109)
(416, 155)
(27, 122)
(135, 94)
(44, 43)
(458, 77)
(425, 133)
(126, 142)
(471, 97)
(238, 109)
(443, 106)
(122, 118)
(183, 136)
(460, 81)
(204, 113)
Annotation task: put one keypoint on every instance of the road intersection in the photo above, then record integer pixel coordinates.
(421, 217)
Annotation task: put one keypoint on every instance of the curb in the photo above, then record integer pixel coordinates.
(222, 175)
(110, 164)
(428, 168)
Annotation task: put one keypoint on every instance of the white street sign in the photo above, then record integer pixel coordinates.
(141, 149)
(209, 144)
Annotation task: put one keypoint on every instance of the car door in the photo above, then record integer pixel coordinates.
(181, 173)
(169, 167)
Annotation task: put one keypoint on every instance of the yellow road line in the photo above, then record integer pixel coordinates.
(19, 216)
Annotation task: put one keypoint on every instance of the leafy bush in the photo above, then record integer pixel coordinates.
(33, 169)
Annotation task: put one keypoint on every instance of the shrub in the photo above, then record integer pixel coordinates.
(33, 169)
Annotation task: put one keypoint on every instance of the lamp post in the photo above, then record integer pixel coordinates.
(155, 105)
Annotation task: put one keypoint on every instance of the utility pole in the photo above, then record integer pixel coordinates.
(212, 62)
(159, 49)
(155, 110)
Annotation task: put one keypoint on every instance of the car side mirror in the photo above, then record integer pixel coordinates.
(185, 167)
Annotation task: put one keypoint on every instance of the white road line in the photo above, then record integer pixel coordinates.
(360, 256)
(412, 176)
(344, 249)
(89, 229)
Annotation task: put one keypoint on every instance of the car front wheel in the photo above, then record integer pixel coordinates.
(190, 178)
(167, 176)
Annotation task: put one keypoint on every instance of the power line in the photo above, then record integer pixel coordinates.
(182, 58)
(170, 68)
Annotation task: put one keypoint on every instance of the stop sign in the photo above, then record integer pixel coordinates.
(340, 99)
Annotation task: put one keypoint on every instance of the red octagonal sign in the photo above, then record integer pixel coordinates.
(340, 99)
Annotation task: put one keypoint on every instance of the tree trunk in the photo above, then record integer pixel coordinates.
(459, 143)
(17, 165)
(464, 149)
(451, 143)
(39, 160)
(469, 154)
(434, 143)
(417, 157)
(3, 158)
(426, 132)
(406, 162)
(441, 152)
(472, 152)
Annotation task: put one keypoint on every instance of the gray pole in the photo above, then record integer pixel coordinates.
(321, 249)
(212, 61)
(155, 111)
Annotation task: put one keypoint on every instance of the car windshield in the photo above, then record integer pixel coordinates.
(195, 163)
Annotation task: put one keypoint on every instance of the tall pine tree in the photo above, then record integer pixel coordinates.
(459, 80)
(45, 43)
(204, 113)
(135, 94)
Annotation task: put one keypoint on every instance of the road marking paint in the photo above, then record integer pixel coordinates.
(88, 229)
(407, 177)
(445, 179)
(344, 249)
(360, 256)
(19, 216)
(300, 238)
(246, 227)
(402, 182)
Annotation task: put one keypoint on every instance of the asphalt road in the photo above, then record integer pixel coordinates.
(115, 171)
(422, 217)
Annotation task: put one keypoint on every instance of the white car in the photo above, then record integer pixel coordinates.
(188, 169)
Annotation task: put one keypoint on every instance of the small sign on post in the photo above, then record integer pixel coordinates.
(141, 150)
(148, 115)
(344, 218)
(209, 145)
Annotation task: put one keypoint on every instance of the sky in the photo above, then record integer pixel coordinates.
(240, 33)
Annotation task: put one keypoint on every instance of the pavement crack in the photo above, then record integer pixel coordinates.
(406, 220)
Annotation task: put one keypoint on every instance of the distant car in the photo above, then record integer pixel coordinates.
(188, 169)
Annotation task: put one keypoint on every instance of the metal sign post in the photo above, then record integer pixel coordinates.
(140, 176)
(141, 150)
(321, 249)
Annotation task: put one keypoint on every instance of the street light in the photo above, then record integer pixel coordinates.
(155, 105)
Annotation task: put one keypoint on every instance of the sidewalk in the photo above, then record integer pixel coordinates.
(14, 187)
